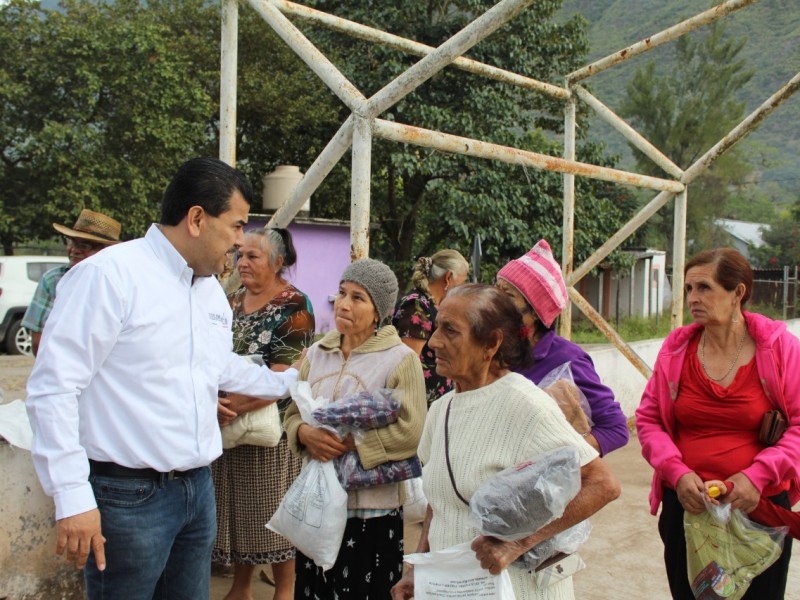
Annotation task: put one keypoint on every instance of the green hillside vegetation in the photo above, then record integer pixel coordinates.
(772, 32)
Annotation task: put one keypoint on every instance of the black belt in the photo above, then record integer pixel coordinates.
(109, 469)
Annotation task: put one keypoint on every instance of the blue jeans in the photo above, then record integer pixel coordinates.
(159, 536)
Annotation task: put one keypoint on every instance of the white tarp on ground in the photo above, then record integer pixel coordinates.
(14, 424)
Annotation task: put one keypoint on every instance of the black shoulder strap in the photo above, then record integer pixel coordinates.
(447, 452)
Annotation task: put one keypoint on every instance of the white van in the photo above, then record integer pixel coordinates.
(18, 278)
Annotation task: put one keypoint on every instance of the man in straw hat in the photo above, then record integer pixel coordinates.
(123, 395)
(92, 232)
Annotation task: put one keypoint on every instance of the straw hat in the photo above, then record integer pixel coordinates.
(92, 226)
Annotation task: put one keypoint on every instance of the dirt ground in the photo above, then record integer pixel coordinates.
(623, 556)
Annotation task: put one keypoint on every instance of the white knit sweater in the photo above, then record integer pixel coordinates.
(492, 428)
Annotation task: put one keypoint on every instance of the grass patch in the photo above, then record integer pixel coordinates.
(633, 329)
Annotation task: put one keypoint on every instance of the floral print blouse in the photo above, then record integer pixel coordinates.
(415, 317)
(277, 332)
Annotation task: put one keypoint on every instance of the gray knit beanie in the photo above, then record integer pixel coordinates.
(378, 280)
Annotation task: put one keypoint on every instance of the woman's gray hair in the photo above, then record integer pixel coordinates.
(490, 312)
(437, 266)
(277, 243)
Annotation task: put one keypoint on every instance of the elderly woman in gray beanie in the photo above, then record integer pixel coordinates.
(363, 353)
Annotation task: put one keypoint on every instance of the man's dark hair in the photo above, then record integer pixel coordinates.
(205, 182)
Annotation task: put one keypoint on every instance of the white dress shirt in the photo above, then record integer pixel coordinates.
(131, 360)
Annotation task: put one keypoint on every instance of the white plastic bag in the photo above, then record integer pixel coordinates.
(416, 504)
(260, 427)
(313, 513)
(307, 404)
(455, 572)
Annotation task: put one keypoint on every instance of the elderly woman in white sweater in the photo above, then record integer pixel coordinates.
(493, 419)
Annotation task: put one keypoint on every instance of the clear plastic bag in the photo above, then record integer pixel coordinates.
(356, 414)
(361, 411)
(352, 414)
(725, 551)
(260, 427)
(520, 500)
(568, 542)
(354, 476)
(560, 384)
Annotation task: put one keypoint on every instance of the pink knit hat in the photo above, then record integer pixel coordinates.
(538, 277)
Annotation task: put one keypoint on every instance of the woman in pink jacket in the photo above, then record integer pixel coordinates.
(702, 410)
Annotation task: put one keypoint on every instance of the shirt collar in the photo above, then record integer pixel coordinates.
(167, 254)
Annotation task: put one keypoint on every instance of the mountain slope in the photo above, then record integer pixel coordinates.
(772, 32)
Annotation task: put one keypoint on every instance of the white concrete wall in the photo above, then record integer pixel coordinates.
(30, 568)
(626, 381)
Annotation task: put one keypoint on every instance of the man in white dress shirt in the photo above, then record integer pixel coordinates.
(123, 395)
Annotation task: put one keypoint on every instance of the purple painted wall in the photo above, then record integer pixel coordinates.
(323, 253)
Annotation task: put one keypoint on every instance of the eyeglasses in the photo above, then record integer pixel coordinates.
(82, 245)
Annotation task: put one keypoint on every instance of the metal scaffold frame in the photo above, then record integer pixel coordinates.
(364, 124)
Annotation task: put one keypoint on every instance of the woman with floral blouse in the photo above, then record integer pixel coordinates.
(415, 316)
(274, 320)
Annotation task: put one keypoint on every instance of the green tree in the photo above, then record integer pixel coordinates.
(425, 200)
(781, 241)
(684, 113)
(102, 101)
(103, 104)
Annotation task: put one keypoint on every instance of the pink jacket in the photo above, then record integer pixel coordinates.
(778, 366)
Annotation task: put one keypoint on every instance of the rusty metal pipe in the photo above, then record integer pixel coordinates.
(360, 188)
(315, 174)
(629, 133)
(659, 38)
(609, 332)
(749, 123)
(639, 219)
(309, 54)
(370, 34)
(445, 142)
(227, 90)
(568, 230)
(479, 29)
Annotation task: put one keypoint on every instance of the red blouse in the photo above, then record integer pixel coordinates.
(717, 427)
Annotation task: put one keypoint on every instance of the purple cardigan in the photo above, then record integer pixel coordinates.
(778, 366)
(610, 425)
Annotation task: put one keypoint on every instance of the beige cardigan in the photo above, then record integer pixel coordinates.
(382, 361)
